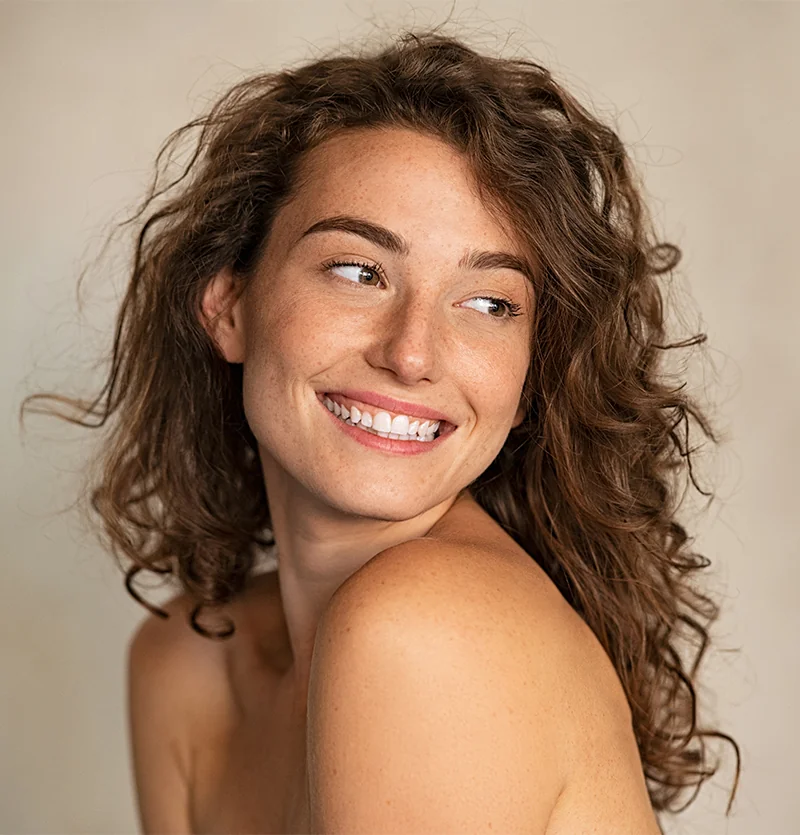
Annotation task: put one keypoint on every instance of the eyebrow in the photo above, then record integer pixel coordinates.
(391, 241)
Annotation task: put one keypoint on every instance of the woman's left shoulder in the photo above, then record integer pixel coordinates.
(499, 591)
(469, 575)
(423, 684)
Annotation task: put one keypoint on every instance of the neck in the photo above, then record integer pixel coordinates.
(318, 550)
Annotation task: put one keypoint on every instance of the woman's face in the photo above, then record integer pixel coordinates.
(413, 322)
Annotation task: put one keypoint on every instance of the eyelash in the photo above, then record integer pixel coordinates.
(512, 308)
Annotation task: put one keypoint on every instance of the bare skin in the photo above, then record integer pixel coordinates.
(239, 760)
(219, 728)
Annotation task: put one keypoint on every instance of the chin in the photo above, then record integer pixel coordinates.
(387, 505)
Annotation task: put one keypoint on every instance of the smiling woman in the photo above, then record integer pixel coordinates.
(400, 316)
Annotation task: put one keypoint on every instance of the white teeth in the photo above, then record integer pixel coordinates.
(382, 422)
(400, 427)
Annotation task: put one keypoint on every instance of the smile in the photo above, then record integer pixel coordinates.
(383, 430)
(381, 422)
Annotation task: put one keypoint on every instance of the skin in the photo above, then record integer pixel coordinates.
(219, 729)
(423, 332)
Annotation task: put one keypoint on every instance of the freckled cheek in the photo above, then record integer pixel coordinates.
(495, 381)
(303, 340)
(500, 400)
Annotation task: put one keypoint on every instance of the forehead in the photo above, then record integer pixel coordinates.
(407, 180)
(402, 149)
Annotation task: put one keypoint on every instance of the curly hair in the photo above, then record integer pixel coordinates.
(588, 484)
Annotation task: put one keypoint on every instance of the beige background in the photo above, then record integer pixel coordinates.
(708, 97)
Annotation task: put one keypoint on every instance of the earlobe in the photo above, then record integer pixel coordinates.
(221, 315)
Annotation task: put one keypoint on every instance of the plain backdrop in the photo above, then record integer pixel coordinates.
(705, 94)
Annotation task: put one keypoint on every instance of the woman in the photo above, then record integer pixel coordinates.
(402, 312)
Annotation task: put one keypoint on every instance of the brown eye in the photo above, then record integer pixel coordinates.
(508, 308)
(357, 270)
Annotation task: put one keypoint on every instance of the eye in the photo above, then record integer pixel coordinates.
(511, 309)
(356, 269)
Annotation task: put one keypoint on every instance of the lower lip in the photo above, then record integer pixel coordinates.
(385, 444)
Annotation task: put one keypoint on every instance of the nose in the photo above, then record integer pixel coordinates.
(409, 341)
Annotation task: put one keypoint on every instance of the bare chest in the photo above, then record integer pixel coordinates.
(251, 777)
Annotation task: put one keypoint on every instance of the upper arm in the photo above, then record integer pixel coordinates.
(429, 711)
(164, 681)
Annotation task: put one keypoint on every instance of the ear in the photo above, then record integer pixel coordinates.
(221, 315)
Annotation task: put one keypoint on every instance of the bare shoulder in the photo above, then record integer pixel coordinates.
(504, 586)
(462, 655)
(176, 687)
(168, 653)
(487, 623)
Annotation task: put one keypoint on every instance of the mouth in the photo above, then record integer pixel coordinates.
(382, 422)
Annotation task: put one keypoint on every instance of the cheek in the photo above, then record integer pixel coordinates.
(495, 378)
(297, 336)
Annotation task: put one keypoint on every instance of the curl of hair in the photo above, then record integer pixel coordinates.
(587, 484)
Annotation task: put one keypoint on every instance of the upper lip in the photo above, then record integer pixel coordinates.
(392, 404)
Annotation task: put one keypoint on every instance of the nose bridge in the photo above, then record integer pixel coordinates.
(409, 337)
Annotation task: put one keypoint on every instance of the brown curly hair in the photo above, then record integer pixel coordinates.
(589, 484)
